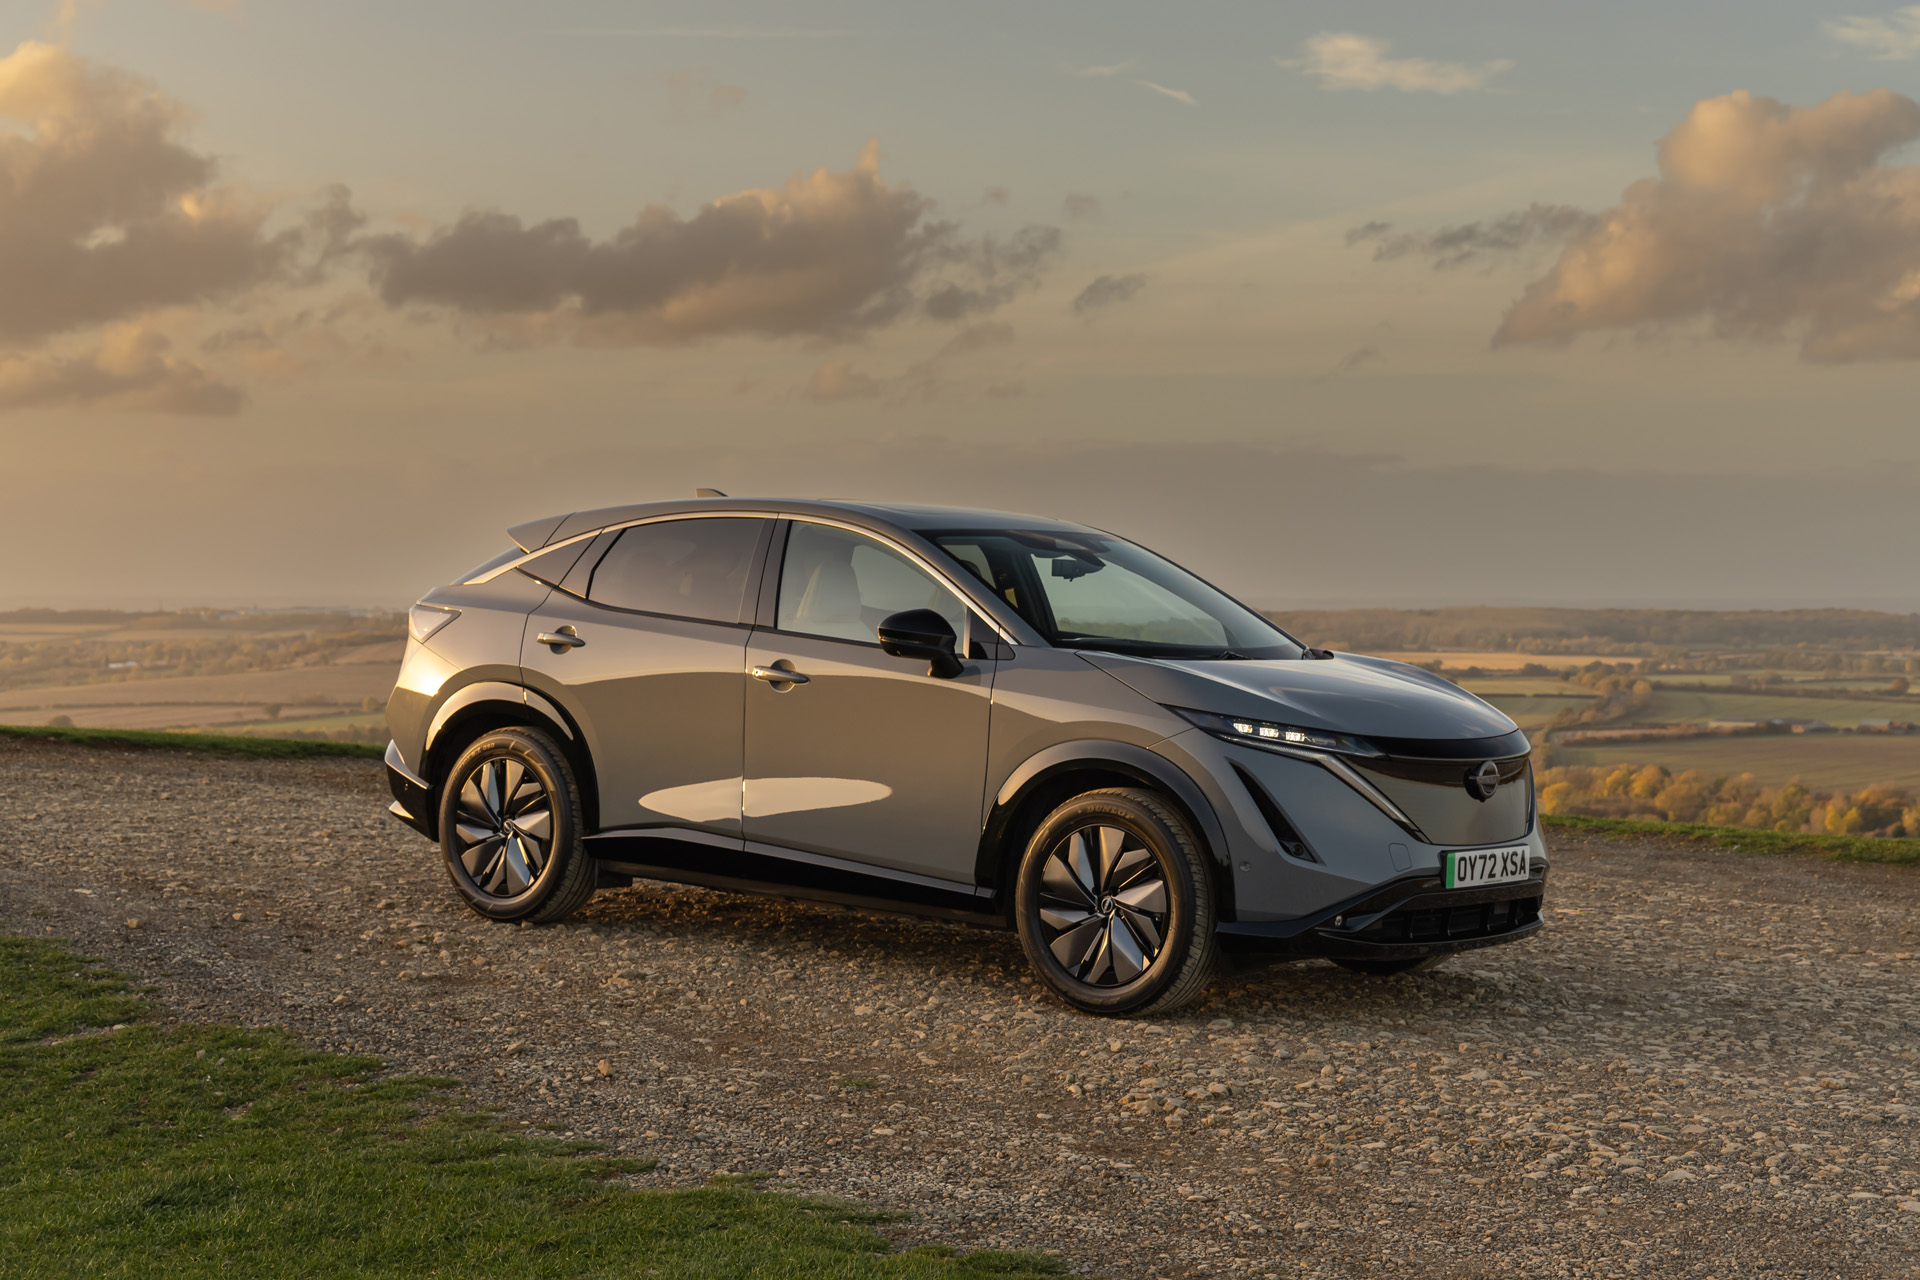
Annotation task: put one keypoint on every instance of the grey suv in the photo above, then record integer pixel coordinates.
(999, 719)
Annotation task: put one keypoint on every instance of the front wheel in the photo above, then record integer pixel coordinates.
(1114, 904)
(510, 828)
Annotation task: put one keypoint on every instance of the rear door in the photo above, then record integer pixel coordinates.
(646, 644)
(870, 759)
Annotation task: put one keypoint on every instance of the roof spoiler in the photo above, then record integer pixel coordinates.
(535, 534)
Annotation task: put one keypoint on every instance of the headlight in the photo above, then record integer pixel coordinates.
(1264, 733)
(425, 619)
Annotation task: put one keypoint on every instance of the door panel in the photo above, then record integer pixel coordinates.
(871, 759)
(658, 697)
(659, 700)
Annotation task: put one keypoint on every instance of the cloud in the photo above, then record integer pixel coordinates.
(1894, 38)
(1347, 60)
(977, 337)
(1354, 359)
(838, 381)
(1116, 69)
(1107, 291)
(693, 94)
(1079, 206)
(830, 255)
(1765, 220)
(1456, 246)
(130, 369)
(1178, 95)
(104, 213)
(994, 272)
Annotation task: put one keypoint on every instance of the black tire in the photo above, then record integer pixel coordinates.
(511, 826)
(1387, 968)
(1087, 913)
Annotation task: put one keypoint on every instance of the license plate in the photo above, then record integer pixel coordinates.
(1471, 868)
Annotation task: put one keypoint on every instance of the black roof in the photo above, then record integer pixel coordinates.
(535, 534)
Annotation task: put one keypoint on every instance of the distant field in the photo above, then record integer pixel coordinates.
(194, 701)
(1491, 661)
(1821, 760)
(1529, 713)
(1678, 706)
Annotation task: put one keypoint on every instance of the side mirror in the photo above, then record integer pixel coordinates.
(922, 633)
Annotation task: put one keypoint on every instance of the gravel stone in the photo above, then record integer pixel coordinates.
(1705, 1066)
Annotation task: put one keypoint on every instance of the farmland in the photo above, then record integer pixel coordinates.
(305, 673)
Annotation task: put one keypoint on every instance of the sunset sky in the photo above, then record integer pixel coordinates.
(1359, 303)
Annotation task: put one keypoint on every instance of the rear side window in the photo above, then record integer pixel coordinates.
(687, 568)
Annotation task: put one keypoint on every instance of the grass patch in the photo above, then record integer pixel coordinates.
(1752, 840)
(214, 1150)
(218, 744)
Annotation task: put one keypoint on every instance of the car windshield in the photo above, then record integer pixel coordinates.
(1090, 591)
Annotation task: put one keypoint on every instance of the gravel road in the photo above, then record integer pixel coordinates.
(1705, 1067)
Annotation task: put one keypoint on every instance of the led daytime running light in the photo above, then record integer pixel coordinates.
(1264, 733)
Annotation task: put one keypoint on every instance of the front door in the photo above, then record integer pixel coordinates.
(649, 645)
(870, 759)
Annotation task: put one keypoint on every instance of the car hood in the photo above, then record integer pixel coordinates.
(1347, 693)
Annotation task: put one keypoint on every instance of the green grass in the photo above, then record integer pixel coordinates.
(302, 724)
(213, 1150)
(208, 743)
(1749, 840)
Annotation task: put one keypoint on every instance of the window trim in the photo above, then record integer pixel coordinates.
(984, 608)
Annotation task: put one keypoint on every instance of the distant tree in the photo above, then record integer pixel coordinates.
(273, 710)
(1899, 685)
(371, 704)
(61, 722)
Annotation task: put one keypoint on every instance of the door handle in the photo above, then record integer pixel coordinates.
(560, 641)
(774, 675)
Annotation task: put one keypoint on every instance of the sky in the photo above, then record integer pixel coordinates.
(1370, 303)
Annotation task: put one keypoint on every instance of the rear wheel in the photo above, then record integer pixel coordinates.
(1114, 904)
(510, 828)
(1387, 968)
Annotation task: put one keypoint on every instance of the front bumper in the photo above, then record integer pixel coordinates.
(413, 799)
(1404, 920)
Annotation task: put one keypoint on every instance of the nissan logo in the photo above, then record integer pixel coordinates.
(1482, 781)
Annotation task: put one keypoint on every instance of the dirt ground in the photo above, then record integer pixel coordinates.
(1705, 1067)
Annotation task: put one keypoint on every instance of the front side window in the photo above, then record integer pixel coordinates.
(1090, 591)
(843, 585)
(687, 568)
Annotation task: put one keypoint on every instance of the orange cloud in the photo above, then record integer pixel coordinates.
(1765, 220)
(130, 369)
(828, 255)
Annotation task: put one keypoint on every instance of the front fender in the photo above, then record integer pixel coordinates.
(1125, 759)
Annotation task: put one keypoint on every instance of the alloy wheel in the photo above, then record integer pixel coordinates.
(1103, 905)
(503, 828)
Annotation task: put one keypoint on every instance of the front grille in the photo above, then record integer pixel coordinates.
(1451, 924)
(1434, 795)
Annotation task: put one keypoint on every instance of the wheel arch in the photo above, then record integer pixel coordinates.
(1051, 777)
(485, 706)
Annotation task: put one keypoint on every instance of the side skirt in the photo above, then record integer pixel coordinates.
(716, 862)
